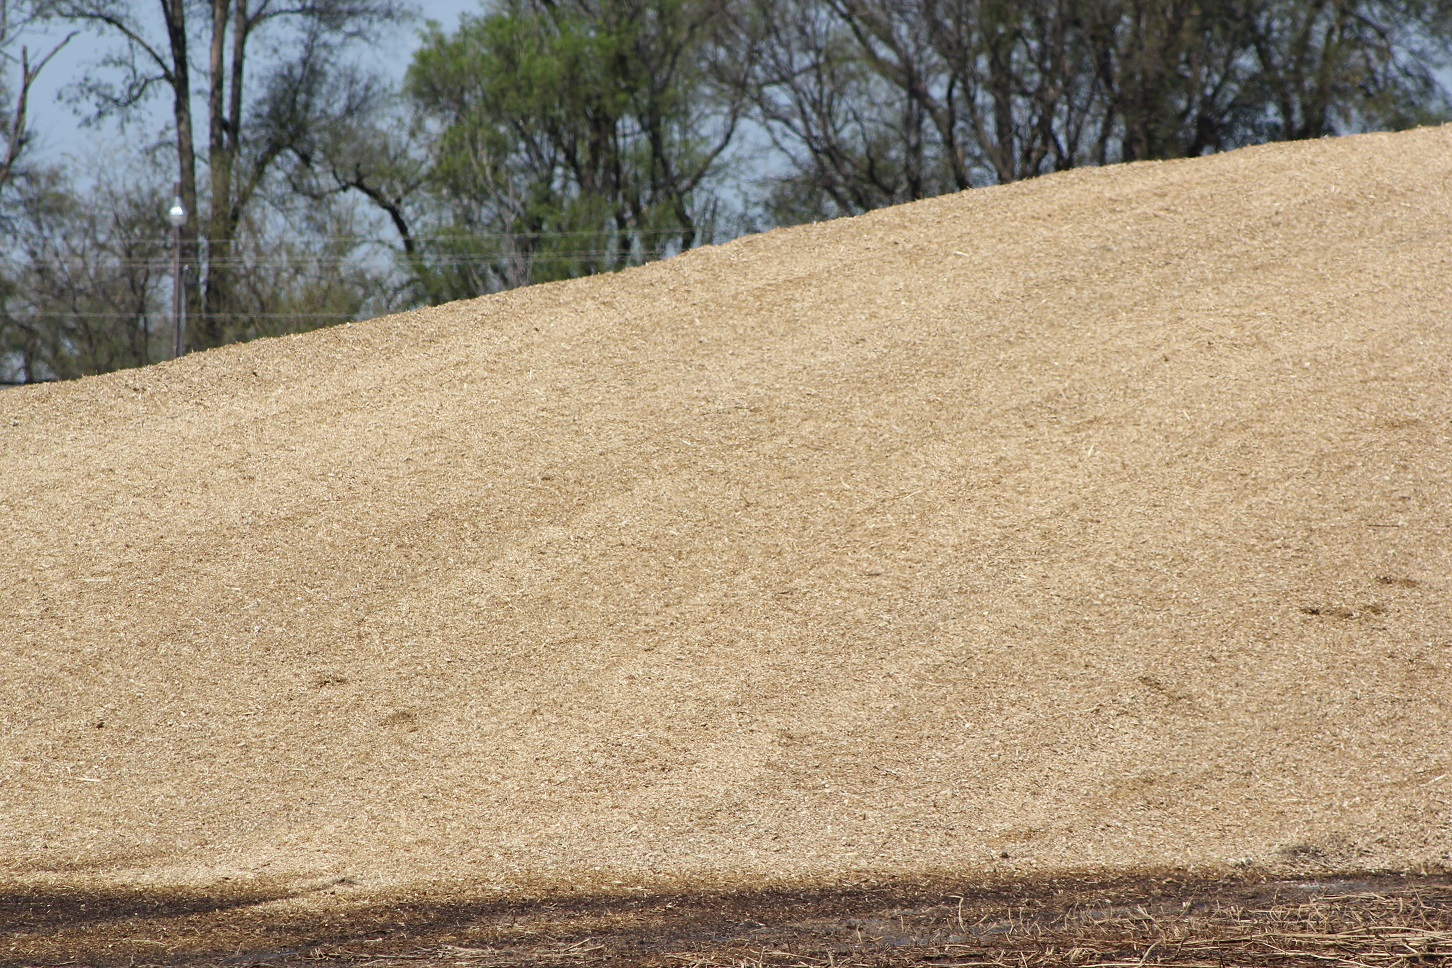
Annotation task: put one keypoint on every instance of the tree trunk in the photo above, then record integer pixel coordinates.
(221, 159)
(174, 13)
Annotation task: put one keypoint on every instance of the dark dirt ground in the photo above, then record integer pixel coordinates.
(1239, 918)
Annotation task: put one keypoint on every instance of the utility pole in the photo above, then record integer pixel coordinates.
(178, 216)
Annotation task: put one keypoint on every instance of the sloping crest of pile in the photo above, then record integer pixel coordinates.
(1100, 520)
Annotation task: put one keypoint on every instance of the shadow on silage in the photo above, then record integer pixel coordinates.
(1150, 918)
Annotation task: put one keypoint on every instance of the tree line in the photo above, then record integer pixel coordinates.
(544, 139)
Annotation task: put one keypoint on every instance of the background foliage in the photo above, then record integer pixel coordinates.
(544, 139)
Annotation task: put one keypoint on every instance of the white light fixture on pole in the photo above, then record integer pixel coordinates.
(178, 216)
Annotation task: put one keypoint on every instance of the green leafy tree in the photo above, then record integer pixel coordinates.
(569, 138)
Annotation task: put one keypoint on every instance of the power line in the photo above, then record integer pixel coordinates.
(574, 255)
(162, 314)
(531, 239)
(473, 238)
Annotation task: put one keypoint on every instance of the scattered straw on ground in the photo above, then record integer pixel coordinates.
(1148, 919)
(1095, 521)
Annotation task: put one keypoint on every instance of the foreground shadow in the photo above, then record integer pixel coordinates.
(1147, 917)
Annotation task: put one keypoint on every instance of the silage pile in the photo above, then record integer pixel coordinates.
(1096, 520)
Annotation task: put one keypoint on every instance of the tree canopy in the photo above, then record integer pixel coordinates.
(543, 139)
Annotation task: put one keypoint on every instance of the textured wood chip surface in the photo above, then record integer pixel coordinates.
(1097, 521)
